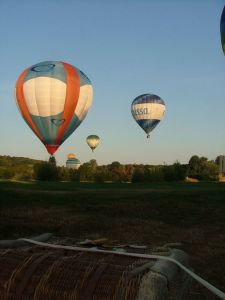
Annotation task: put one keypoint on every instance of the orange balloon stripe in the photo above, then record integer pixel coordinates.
(23, 106)
(72, 95)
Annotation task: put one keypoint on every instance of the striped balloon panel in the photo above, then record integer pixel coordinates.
(93, 137)
(73, 161)
(81, 110)
(54, 98)
(148, 98)
(148, 125)
(144, 111)
(222, 29)
(51, 69)
(48, 127)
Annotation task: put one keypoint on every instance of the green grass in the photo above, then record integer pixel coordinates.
(150, 214)
(178, 204)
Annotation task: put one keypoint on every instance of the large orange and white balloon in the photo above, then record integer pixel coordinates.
(53, 98)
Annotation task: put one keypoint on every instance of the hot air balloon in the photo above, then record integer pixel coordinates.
(93, 141)
(222, 29)
(71, 155)
(53, 98)
(72, 162)
(148, 110)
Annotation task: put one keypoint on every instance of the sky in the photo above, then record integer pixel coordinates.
(126, 48)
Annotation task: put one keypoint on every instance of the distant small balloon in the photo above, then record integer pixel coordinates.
(222, 30)
(71, 155)
(73, 163)
(93, 141)
(148, 110)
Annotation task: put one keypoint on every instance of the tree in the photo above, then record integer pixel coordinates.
(175, 172)
(73, 175)
(52, 160)
(193, 167)
(139, 174)
(116, 171)
(209, 171)
(128, 172)
(180, 170)
(64, 174)
(101, 174)
(154, 173)
(87, 170)
(202, 169)
(46, 172)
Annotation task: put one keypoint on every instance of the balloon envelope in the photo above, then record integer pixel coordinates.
(53, 98)
(93, 141)
(222, 29)
(148, 110)
(71, 155)
(73, 163)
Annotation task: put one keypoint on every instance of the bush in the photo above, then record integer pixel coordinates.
(6, 173)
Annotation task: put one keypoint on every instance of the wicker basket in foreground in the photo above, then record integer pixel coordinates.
(47, 274)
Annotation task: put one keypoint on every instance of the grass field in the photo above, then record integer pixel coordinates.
(149, 214)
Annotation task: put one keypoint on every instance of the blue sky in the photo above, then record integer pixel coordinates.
(126, 48)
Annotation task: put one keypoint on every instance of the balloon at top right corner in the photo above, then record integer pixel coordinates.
(148, 110)
(222, 29)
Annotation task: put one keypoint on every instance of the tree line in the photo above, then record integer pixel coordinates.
(199, 168)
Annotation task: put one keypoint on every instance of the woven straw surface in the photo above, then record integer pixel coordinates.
(40, 273)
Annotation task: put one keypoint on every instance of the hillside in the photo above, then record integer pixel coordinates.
(19, 168)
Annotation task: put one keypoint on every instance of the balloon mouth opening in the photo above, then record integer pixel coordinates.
(51, 148)
(148, 136)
